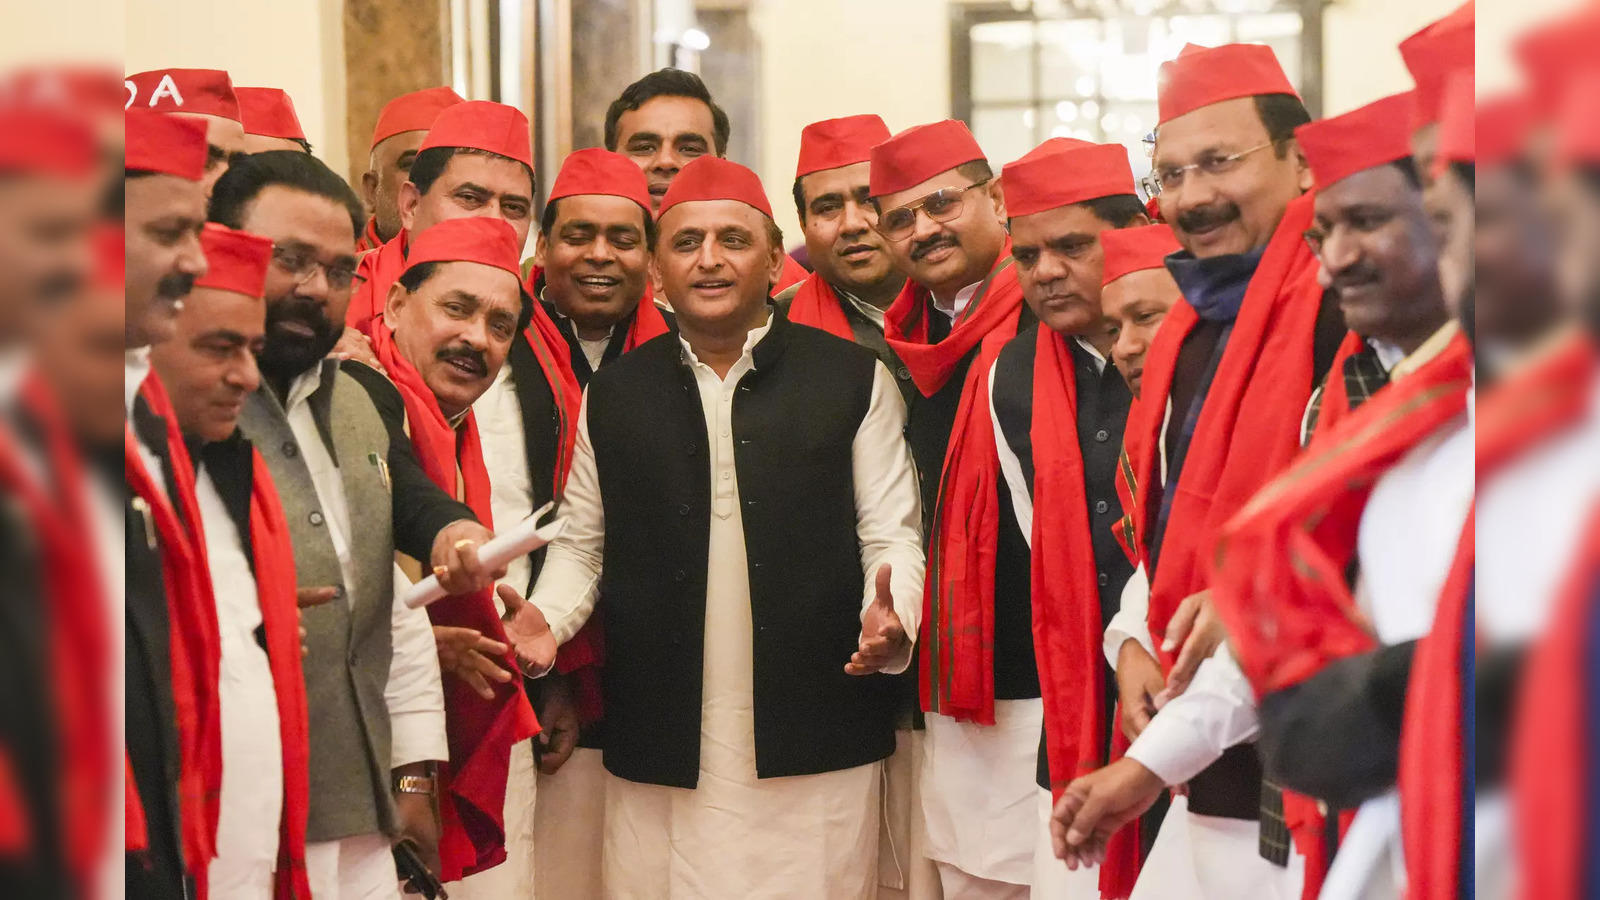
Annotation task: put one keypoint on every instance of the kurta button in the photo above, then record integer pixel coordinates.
(1102, 435)
(678, 575)
(903, 373)
(338, 592)
(1104, 579)
(683, 509)
(290, 450)
(688, 449)
(1101, 506)
(351, 660)
(315, 518)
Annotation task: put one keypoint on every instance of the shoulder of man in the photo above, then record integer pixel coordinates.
(785, 298)
(384, 395)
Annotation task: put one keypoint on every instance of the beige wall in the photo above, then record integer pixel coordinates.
(296, 45)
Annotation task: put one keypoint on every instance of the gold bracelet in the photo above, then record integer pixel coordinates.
(413, 784)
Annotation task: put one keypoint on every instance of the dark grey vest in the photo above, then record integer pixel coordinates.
(349, 641)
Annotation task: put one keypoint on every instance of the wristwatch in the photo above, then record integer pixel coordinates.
(414, 784)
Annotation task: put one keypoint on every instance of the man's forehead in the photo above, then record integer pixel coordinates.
(1046, 225)
(1231, 124)
(219, 311)
(946, 179)
(669, 116)
(712, 216)
(1382, 184)
(496, 173)
(842, 180)
(159, 194)
(602, 210)
(391, 148)
(287, 215)
(489, 284)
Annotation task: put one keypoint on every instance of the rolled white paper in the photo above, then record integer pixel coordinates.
(518, 540)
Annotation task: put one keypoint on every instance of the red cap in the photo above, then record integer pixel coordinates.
(483, 125)
(1432, 54)
(110, 257)
(712, 178)
(1201, 76)
(235, 260)
(481, 239)
(1063, 171)
(835, 143)
(268, 112)
(1134, 249)
(1505, 123)
(1578, 123)
(207, 91)
(1361, 139)
(46, 142)
(413, 112)
(919, 153)
(1551, 53)
(1456, 128)
(85, 89)
(597, 171)
(165, 144)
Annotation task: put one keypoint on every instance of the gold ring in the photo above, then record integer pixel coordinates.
(441, 571)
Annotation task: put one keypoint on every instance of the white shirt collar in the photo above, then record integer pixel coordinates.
(959, 304)
(750, 340)
(1099, 358)
(302, 387)
(1389, 355)
(874, 315)
(136, 368)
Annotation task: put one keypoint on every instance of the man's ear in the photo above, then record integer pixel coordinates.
(407, 204)
(392, 304)
(1302, 167)
(655, 280)
(369, 191)
(998, 195)
(775, 270)
(538, 250)
(1139, 220)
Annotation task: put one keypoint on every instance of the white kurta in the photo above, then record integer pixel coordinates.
(736, 835)
(252, 748)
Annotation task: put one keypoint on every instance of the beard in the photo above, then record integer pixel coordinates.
(287, 352)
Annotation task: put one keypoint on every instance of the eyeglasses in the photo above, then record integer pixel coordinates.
(302, 265)
(941, 206)
(1171, 177)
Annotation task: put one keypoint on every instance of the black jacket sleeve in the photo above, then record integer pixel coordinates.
(1336, 735)
(421, 508)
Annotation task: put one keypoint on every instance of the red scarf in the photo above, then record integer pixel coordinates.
(1066, 600)
(78, 646)
(196, 653)
(793, 273)
(1278, 580)
(1249, 428)
(1335, 403)
(374, 275)
(369, 239)
(957, 669)
(80, 643)
(584, 653)
(1551, 758)
(481, 732)
(273, 551)
(1434, 787)
(816, 304)
(997, 304)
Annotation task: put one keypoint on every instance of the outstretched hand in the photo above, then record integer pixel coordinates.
(883, 637)
(529, 633)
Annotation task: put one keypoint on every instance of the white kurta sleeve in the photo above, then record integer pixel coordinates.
(1193, 729)
(1011, 469)
(569, 582)
(415, 693)
(889, 506)
(1129, 623)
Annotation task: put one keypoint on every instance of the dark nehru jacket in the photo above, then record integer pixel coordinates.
(795, 417)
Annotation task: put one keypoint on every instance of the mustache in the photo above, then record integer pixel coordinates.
(1204, 217)
(1357, 275)
(462, 351)
(937, 242)
(175, 286)
(60, 286)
